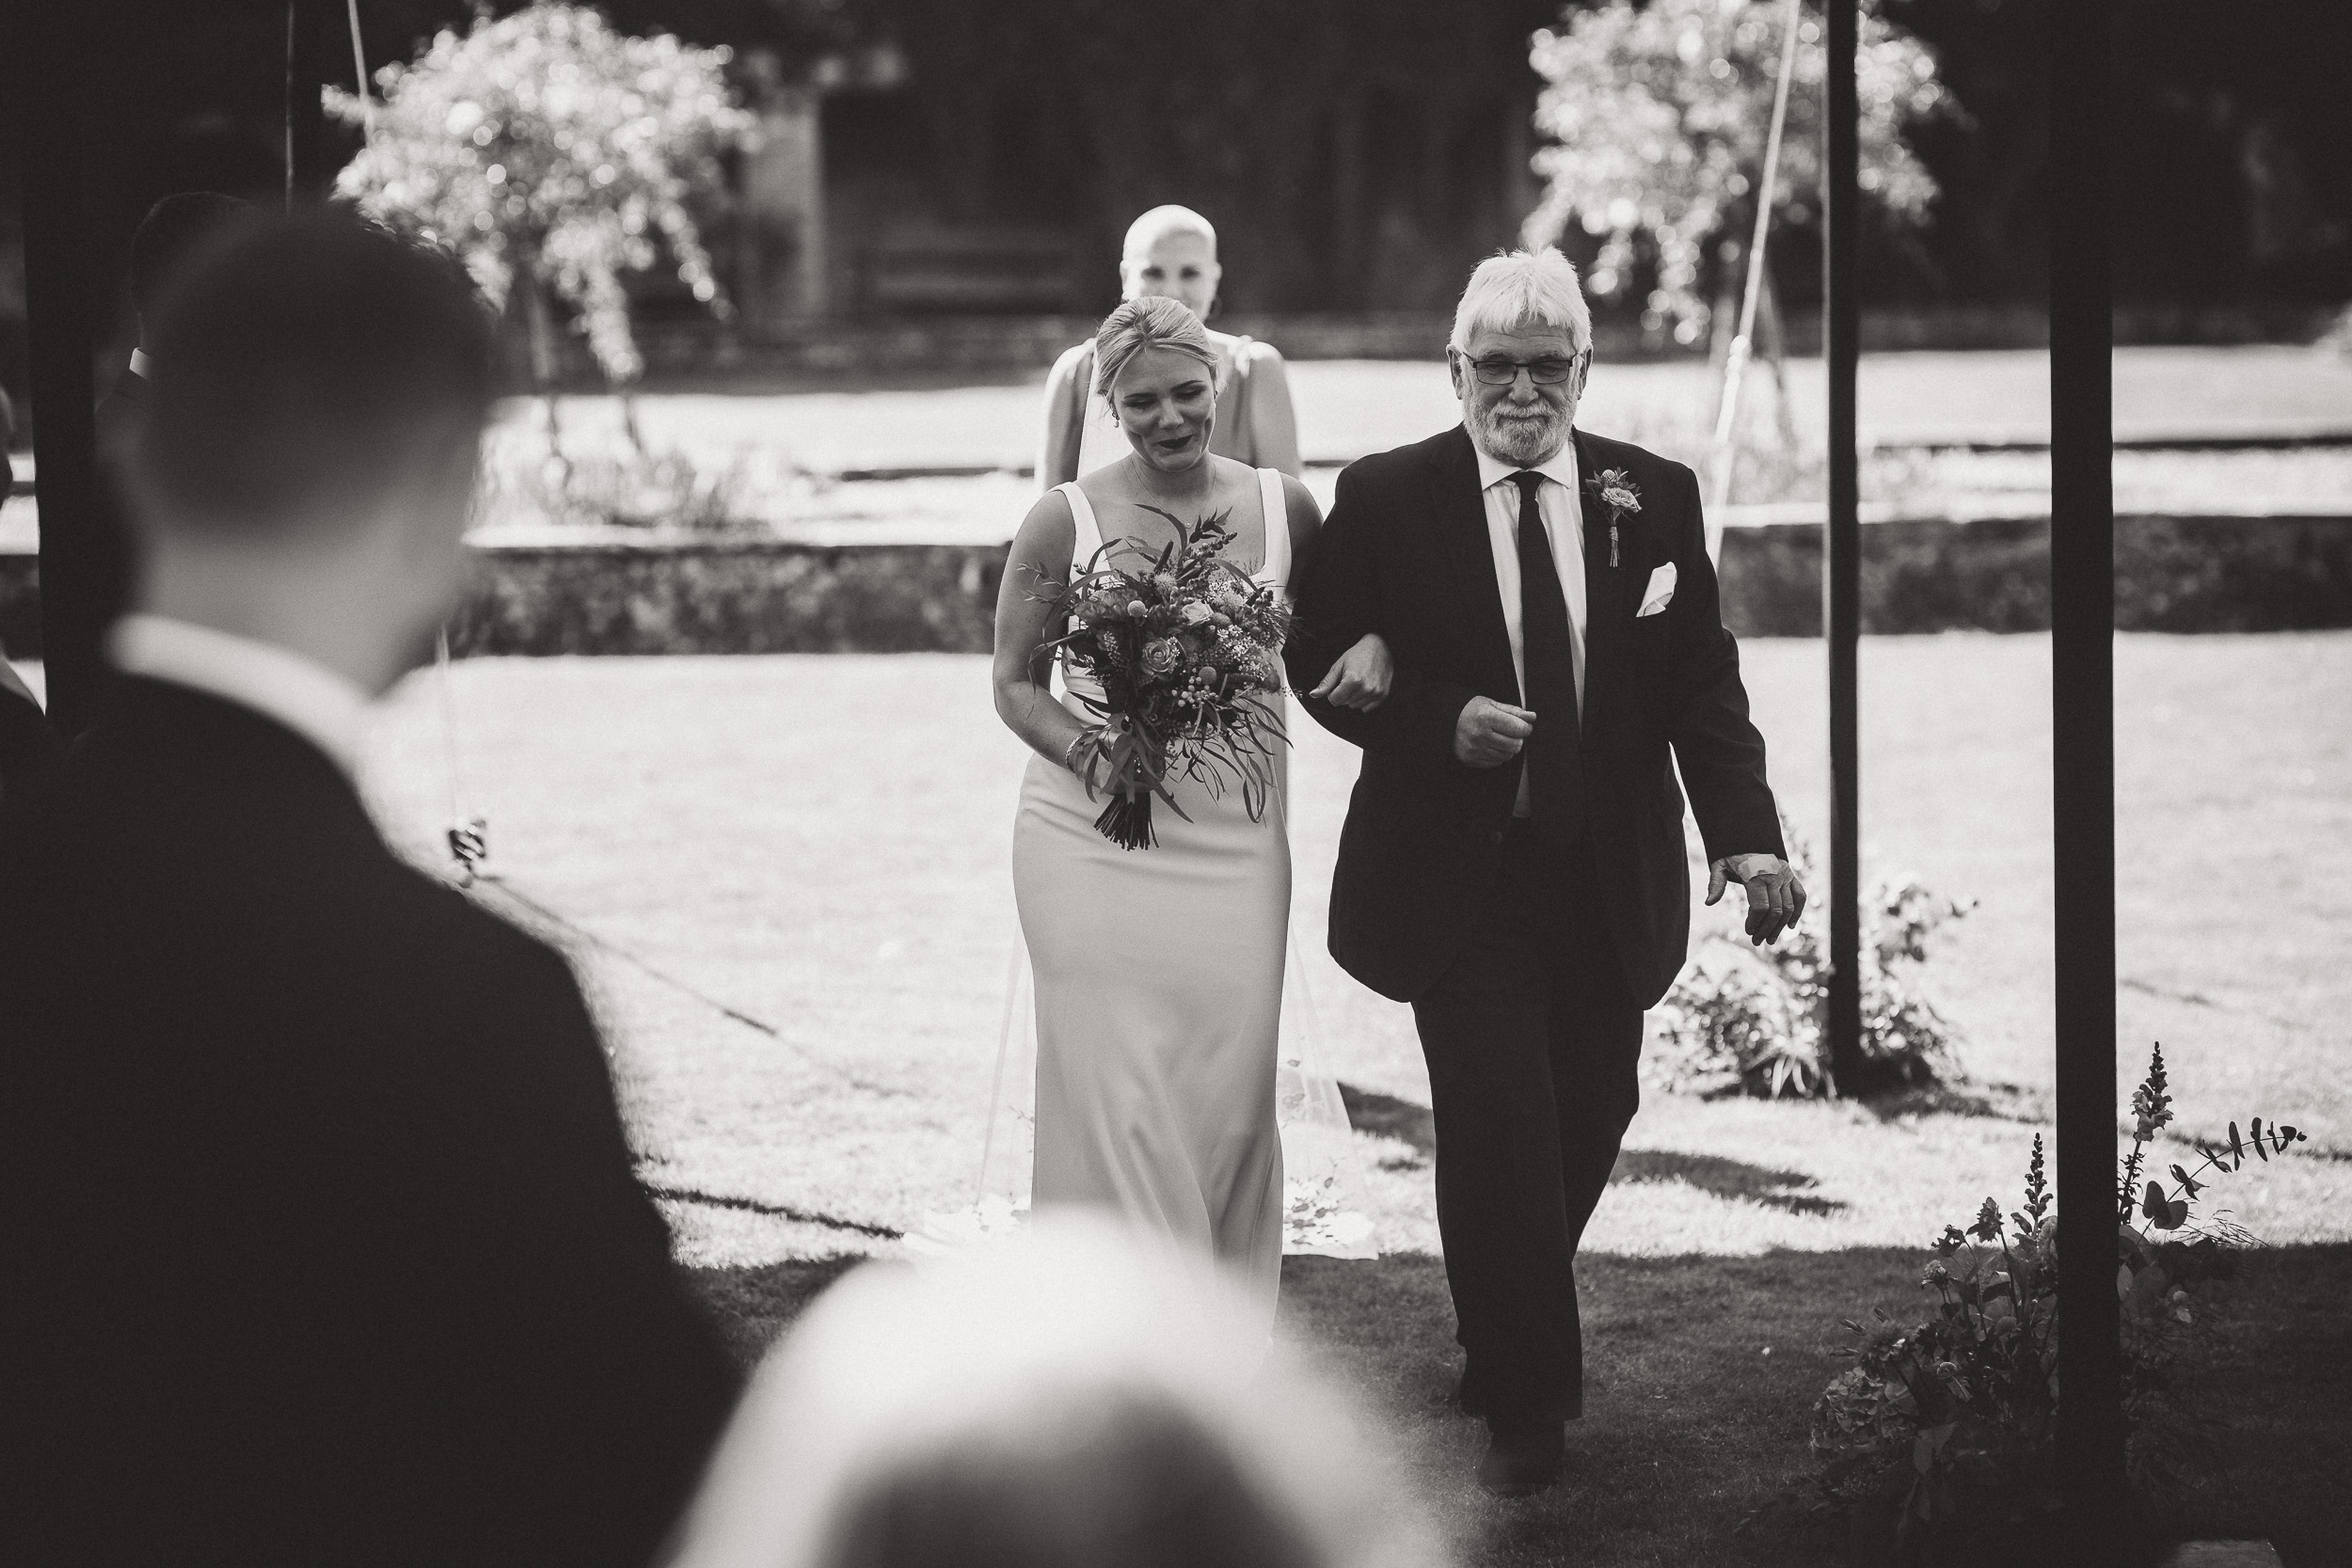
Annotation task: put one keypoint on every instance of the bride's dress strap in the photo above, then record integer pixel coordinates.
(1089, 533)
(1278, 526)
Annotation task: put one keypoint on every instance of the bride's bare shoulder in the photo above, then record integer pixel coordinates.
(1050, 527)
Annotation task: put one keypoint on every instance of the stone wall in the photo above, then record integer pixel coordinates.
(715, 596)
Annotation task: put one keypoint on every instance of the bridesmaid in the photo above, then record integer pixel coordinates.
(1171, 252)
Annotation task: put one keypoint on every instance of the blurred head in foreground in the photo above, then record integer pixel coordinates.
(1070, 1398)
(304, 469)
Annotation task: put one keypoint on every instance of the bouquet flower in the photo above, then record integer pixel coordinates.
(1187, 652)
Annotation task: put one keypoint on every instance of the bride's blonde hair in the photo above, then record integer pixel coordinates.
(1150, 322)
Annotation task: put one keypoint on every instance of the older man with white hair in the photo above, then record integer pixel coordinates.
(1513, 863)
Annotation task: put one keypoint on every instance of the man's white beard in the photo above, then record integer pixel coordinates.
(1524, 441)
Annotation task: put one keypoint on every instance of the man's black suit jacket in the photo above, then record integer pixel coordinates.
(321, 1241)
(27, 744)
(1406, 553)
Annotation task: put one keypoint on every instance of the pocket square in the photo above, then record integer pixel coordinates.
(1660, 592)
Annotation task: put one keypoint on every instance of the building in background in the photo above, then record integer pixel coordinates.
(973, 159)
(932, 160)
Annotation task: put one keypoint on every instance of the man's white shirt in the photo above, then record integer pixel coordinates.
(1563, 513)
(326, 708)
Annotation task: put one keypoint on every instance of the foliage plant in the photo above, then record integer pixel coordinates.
(553, 154)
(1184, 653)
(1756, 1021)
(632, 485)
(1949, 1423)
(1657, 115)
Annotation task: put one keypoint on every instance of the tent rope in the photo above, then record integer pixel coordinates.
(1735, 363)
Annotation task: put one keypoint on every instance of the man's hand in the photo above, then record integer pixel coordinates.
(1776, 897)
(1361, 678)
(1490, 733)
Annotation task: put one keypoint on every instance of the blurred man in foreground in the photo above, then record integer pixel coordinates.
(321, 1233)
(174, 230)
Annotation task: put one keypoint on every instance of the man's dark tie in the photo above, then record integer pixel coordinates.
(1555, 773)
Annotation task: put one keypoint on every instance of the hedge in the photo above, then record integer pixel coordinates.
(711, 596)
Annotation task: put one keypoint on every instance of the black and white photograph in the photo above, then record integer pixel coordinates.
(1278, 783)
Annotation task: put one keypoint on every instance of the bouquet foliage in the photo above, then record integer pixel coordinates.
(1947, 1427)
(1186, 654)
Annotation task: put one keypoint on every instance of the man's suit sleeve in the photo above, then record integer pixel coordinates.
(1717, 745)
(27, 743)
(1336, 588)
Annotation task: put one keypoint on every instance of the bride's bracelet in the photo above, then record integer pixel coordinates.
(1069, 751)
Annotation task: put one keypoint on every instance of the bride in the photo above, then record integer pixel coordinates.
(1158, 973)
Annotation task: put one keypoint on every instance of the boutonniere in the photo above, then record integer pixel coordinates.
(1615, 487)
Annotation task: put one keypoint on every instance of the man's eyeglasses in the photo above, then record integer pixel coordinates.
(1496, 370)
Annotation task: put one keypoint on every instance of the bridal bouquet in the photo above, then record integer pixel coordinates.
(1187, 652)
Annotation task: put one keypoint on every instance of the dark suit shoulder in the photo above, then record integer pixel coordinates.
(1415, 459)
(1639, 461)
(491, 980)
(1398, 481)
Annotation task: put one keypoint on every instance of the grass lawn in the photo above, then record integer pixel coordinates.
(1703, 1371)
(821, 844)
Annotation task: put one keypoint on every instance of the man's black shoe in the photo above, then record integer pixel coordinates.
(1522, 1458)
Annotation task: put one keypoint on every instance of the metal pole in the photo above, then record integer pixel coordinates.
(2082, 712)
(306, 124)
(56, 52)
(1841, 553)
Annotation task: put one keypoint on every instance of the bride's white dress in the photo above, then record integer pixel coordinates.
(1171, 1068)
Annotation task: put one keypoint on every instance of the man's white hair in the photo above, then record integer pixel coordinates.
(1520, 288)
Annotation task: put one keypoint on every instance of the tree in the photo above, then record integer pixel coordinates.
(1658, 117)
(552, 153)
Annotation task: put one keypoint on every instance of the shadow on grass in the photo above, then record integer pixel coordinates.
(1384, 1115)
(780, 1211)
(1964, 1097)
(1710, 1173)
(754, 1303)
(1701, 1378)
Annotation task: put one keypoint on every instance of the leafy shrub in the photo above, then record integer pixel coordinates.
(624, 485)
(1659, 113)
(1755, 1021)
(1948, 1424)
(550, 151)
